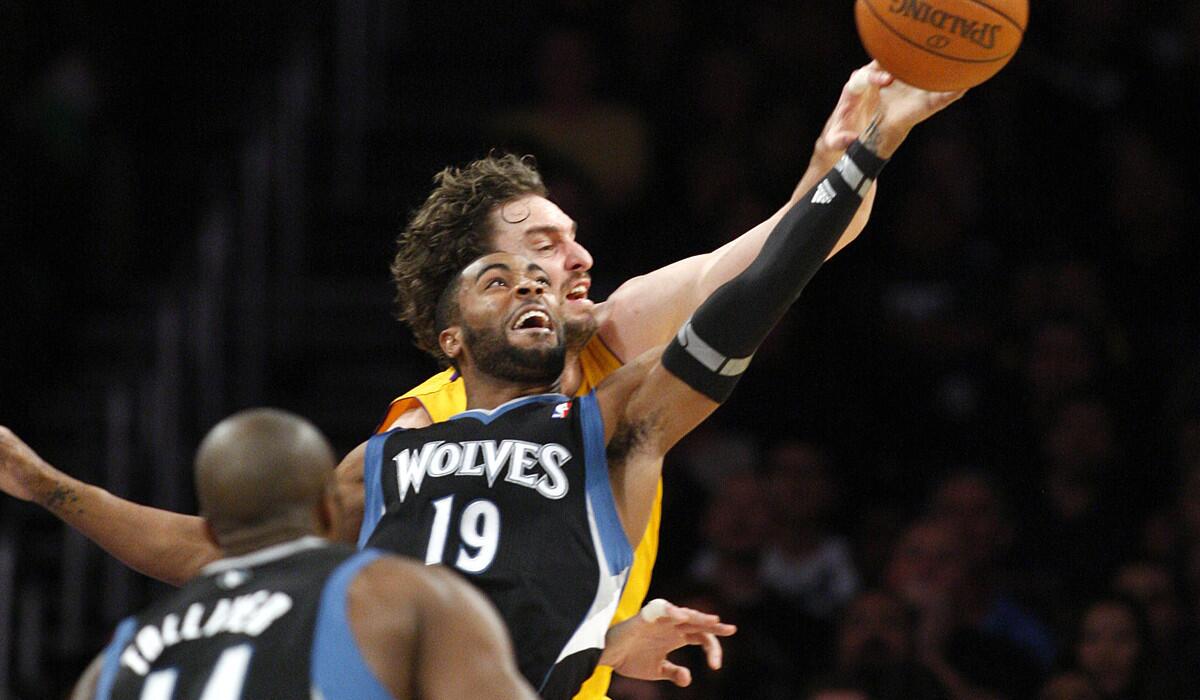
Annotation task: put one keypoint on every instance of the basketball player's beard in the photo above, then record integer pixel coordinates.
(495, 357)
(578, 331)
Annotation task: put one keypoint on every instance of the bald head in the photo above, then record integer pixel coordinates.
(259, 469)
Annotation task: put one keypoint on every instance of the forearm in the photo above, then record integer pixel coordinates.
(648, 310)
(171, 547)
(727, 262)
(715, 346)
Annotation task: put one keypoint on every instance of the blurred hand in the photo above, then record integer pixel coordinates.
(638, 647)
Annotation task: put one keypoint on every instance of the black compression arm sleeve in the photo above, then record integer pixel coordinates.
(714, 347)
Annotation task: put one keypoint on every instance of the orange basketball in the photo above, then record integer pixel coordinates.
(942, 44)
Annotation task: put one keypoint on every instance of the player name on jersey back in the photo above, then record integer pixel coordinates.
(249, 614)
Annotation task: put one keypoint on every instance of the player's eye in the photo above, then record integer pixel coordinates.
(495, 282)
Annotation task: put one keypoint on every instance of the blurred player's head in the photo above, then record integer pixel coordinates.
(263, 476)
(501, 318)
(493, 204)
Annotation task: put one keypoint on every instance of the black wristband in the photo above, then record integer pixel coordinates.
(870, 163)
(859, 167)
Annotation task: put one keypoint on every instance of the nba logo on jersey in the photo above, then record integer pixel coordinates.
(561, 410)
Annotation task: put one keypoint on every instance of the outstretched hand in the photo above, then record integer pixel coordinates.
(906, 106)
(872, 94)
(855, 108)
(638, 647)
(19, 466)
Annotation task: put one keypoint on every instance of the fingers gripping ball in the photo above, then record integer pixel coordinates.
(942, 44)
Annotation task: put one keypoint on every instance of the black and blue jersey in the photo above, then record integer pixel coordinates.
(518, 500)
(270, 624)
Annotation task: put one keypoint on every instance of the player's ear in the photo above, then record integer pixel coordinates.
(451, 342)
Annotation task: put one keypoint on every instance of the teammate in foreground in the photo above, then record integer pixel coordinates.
(536, 497)
(285, 613)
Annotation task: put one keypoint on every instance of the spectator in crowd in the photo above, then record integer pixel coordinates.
(876, 649)
(1069, 685)
(970, 503)
(804, 561)
(1112, 648)
(930, 570)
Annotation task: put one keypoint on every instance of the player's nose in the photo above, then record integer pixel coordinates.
(530, 288)
(578, 259)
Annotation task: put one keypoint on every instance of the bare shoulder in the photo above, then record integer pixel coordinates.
(414, 595)
(398, 578)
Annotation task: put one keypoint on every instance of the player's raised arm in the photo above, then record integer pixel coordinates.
(659, 398)
(646, 310)
(656, 400)
(170, 547)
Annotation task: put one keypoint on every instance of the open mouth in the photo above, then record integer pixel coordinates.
(534, 320)
(579, 291)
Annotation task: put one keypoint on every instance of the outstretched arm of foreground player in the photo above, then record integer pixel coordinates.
(646, 310)
(170, 547)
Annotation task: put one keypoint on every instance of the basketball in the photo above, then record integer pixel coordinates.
(941, 44)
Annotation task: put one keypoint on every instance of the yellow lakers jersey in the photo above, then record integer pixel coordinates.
(443, 396)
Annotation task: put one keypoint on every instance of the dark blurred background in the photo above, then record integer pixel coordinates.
(966, 466)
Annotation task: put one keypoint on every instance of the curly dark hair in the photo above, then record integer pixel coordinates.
(450, 230)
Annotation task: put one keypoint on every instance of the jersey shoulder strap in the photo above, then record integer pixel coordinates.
(602, 505)
(112, 658)
(597, 362)
(337, 666)
(442, 396)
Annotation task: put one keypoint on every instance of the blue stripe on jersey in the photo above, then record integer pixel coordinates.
(112, 657)
(337, 668)
(612, 534)
(373, 502)
(486, 416)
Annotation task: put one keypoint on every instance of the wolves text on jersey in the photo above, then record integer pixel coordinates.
(486, 458)
(248, 614)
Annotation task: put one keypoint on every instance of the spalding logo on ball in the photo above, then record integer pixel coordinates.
(942, 44)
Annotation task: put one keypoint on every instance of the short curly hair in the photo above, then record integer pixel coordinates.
(450, 230)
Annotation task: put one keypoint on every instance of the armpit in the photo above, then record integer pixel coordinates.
(632, 435)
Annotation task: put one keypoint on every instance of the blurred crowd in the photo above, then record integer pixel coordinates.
(967, 466)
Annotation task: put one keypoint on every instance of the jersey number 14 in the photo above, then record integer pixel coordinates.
(225, 683)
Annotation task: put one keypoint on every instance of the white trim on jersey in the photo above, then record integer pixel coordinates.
(591, 632)
(264, 555)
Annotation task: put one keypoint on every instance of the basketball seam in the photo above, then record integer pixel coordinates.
(926, 48)
(1011, 21)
